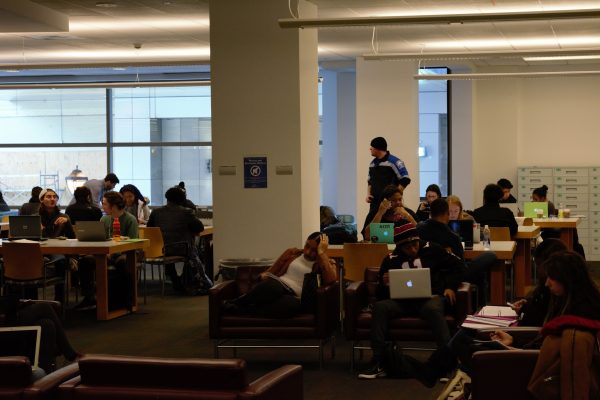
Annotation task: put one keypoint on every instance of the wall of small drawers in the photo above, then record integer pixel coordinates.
(578, 189)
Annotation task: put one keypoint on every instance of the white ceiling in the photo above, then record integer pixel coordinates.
(177, 31)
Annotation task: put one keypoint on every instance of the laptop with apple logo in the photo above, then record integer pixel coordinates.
(413, 283)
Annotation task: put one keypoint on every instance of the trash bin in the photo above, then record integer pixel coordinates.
(228, 266)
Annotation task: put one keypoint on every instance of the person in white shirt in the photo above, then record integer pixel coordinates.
(279, 292)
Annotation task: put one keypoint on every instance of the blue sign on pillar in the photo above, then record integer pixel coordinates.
(255, 172)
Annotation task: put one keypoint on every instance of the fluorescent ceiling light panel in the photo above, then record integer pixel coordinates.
(91, 25)
(563, 58)
(504, 75)
(581, 53)
(512, 43)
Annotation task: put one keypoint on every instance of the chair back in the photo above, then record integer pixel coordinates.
(5, 218)
(23, 261)
(360, 256)
(499, 234)
(155, 239)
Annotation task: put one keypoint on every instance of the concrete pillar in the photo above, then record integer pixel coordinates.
(264, 103)
(387, 105)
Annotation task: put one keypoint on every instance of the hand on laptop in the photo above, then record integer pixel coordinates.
(450, 295)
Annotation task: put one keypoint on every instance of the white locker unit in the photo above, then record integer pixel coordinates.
(576, 188)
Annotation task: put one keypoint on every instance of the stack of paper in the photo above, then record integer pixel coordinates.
(490, 317)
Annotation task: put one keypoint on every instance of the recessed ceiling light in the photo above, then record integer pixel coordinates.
(119, 69)
(11, 70)
(563, 58)
(105, 4)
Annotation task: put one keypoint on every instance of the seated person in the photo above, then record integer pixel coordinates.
(32, 207)
(506, 186)
(83, 208)
(114, 207)
(446, 275)
(327, 216)
(533, 310)
(540, 194)
(279, 292)
(54, 341)
(54, 224)
(180, 226)
(3, 205)
(431, 193)
(491, 213)
(135, 203)
(390, 209)
(455, 208)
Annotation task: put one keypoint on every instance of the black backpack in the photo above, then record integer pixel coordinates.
(340, 233)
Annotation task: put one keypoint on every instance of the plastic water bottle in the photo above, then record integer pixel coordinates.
(561, 210)
(486, 238)
(116, 229)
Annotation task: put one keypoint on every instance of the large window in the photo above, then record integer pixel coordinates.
(433, 132)
(154, 138)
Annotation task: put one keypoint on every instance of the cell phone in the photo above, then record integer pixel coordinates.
(511, 305)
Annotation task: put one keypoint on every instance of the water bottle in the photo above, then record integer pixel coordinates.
(116, 229)
(561, 210)
(486, 238)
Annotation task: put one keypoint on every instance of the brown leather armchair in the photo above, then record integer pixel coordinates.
(224, 327)
(357, 320)
(125, 377)
(16, 375)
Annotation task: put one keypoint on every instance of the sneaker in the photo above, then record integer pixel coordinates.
(373, 372)
(85, 304)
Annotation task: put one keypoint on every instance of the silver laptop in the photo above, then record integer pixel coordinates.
(413, 283)
(25, 227)
(21, 341)
(90, 231)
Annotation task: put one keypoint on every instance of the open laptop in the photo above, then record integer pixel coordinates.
(530, 208)
(514, 207)
(21, 341)
(382, 232)
(413, 283)
(464, 229)
(25, 227)
(90, 231)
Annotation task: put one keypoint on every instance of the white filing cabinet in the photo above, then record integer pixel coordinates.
(576, 188)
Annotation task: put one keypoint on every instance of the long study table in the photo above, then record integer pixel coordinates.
(100, 251)
(523, 275)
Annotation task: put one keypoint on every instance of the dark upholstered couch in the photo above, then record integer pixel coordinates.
(125, 377)
(303, 327)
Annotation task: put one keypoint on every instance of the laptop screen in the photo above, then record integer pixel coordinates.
(25, 226)
(464, 229)
(21, 341)
(531, 209)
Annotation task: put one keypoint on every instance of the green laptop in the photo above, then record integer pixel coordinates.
(531, 207)
(382, 232)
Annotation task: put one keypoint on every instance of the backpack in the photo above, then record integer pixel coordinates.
(340, 233)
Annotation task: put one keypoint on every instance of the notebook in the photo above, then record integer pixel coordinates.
(25, 227)
(530, 208)
(90, 231)
(382, 232)
(413, 283)
(464, 229)
(21, 341)
(514, 207)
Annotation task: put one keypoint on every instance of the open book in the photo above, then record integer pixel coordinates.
(490, 317)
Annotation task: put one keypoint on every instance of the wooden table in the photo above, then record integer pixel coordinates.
(567, 227)
(337, 250)
(3, 226)
(504, 251)
(208, 231)
(523, 275)
(100, 251)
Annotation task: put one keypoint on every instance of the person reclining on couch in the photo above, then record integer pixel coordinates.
(279, 292)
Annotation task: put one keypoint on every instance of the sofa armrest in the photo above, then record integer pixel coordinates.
(216, 295)
(355, 299)
(328, 308)
(50, 383)
(282, 383)
(516, 367)
(15, 371)
(464, 303)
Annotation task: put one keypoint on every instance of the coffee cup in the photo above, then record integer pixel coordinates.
(566, 213)
(539, 213)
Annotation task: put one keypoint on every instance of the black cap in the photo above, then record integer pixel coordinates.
(379, 143)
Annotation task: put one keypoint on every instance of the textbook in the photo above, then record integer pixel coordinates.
(490, 317)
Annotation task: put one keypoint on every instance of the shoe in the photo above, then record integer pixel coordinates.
(85, 304)
(455, 388)
(373, 372)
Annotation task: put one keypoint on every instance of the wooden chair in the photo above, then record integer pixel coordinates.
(154, 255)
(24, 266)
(499, 234)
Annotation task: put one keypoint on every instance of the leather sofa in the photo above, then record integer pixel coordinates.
(126, 377)
(357, 316)
(16, 376)
(227, 327)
